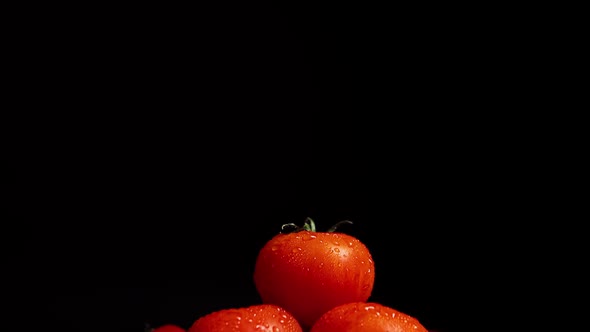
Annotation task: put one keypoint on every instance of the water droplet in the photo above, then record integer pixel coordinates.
(369, 271)
(350, 244)
(297, 249)
(282, 321)
(336, 243)
(336, 250)
(239, 318)
(274, 248)
(369, 307)
(322, 264)
(275, 329)
(309, 237)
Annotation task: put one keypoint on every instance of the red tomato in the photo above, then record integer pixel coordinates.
(262, 317)
(309, 273)
(367, 317)
(168, 328)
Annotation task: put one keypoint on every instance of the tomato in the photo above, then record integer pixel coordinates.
(261, 317)
(308, 272)
(168, 328)
(367, 317)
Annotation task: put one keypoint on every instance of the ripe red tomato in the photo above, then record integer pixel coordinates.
(168, 328)
(309, 272)
(367, 317)
(262, 317)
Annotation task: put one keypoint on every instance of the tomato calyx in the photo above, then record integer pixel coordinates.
(309, 225)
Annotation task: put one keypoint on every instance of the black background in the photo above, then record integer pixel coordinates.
(182, 139)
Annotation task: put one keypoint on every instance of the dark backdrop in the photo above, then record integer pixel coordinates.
(181, 140)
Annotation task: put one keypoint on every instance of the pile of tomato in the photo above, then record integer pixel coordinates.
(310, 281)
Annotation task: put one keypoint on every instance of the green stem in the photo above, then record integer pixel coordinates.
(309, 225)
(333, 228)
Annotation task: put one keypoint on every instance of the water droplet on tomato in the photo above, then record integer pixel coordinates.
(275, 329)
(350, 244)
(336, 243)
(336, 250)
(297, 249)
(274, 248)
(369, 307)
(308, 237)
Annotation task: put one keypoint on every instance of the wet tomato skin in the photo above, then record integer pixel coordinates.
(367, 317)
(255, 318)
(309, 273)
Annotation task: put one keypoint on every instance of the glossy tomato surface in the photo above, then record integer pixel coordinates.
(367, 317)
(169, 328)
(259, 318)
(308, 273)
